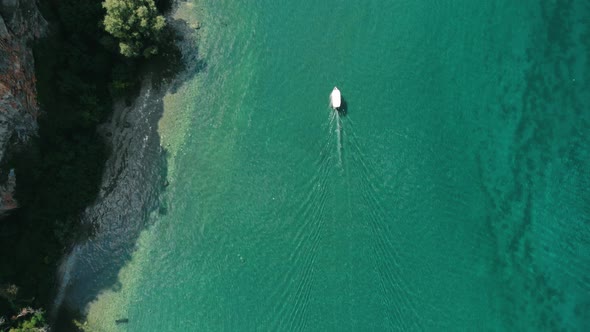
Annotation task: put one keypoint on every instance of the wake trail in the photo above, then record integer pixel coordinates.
(339, 135)
(398, 294)
(295, 287)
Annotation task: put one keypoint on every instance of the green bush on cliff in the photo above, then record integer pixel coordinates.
(137, 25)
(34, 324)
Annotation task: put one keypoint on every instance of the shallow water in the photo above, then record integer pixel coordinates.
(452, 194)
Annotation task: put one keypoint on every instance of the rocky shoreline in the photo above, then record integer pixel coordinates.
(54, 271)
(133, 171)
(134, 179)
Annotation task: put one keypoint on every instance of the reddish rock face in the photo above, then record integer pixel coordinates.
(20, 22)
(7, 201)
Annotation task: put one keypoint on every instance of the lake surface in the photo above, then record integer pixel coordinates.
(453, 193)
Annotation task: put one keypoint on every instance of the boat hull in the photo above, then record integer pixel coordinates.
(335, 99)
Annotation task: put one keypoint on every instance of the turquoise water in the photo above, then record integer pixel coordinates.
(452, 195)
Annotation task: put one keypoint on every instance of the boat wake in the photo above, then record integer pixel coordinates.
(336, 123)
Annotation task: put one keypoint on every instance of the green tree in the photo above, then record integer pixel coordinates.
(36, 323)
(137, 25)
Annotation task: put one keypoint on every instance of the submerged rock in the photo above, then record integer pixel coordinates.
(8, 8)
(3, 29)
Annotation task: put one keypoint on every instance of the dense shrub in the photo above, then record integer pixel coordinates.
(36, 323)
(137, 24)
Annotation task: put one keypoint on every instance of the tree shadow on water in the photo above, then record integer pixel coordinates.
(178, 61)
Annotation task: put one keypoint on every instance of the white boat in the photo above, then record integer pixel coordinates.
(335, 99)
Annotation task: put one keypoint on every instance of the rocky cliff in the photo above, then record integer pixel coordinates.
(20, 23)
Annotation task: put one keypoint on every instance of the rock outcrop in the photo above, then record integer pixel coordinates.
(20, 23)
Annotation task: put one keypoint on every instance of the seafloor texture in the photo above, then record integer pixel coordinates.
(452, 194)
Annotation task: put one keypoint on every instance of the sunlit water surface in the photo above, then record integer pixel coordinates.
(452, 195)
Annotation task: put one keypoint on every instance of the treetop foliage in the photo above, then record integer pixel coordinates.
(137, 25)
